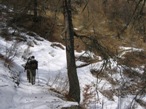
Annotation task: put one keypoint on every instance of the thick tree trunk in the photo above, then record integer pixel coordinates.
(74, 90)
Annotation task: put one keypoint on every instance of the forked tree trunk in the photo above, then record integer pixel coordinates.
(74, 89)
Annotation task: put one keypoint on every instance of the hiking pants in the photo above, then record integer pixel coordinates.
(28, 75)
(32, 76)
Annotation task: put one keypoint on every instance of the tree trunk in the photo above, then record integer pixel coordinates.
(74, 89)
(35, 10)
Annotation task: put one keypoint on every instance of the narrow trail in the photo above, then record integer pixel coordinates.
(34, 96)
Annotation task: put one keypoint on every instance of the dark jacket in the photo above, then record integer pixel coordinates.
(31, 64)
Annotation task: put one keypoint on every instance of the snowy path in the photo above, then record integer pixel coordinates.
(32, 97)
(29, 96)
(37, 96)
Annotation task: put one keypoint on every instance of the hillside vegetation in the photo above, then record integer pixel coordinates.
(117, 26)
(112, 23)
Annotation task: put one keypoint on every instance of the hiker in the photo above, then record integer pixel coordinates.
(31, 67)
(27, 67)
(145, 69)
(144, 73)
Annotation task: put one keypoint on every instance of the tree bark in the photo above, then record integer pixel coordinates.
(74, 89)
(35, 10)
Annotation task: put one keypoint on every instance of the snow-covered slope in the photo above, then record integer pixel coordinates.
(25, 96)
(51, 79)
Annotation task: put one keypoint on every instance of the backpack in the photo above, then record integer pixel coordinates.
(27, 66)
(33, 64)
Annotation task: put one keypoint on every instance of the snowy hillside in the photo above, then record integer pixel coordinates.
(51, 78)
(109, 89)
(26, 96)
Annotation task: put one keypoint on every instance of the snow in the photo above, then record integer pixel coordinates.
(52, 74)
(26, 96)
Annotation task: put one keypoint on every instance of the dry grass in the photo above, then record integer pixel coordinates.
(133, 59)
(44, 26)
(108, 94)
(105, 75)
(93, 21)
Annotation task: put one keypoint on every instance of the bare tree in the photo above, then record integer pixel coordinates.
(74, 89)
